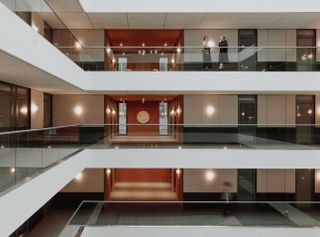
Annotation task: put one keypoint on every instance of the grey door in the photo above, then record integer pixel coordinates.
(304, 184)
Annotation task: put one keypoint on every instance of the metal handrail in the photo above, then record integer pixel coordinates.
(37, 129)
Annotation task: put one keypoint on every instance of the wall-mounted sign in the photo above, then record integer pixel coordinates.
(143, 117)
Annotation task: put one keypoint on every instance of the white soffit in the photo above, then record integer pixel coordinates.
(199, 6)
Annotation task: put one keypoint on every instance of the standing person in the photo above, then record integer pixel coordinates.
(226, 196)
(206, 53)
(223, 54)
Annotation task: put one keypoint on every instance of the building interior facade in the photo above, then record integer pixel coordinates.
(121, 118)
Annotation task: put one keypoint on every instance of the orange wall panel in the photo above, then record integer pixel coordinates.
(134, 107)
(143, 175)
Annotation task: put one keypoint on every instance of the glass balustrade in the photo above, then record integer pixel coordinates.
(45, 18)
(110, 214)
(161, 59)
(24, 154)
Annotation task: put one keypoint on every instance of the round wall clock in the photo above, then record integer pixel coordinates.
(143, 117)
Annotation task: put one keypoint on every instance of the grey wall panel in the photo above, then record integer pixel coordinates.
(228, 109)
(276, 109)
(37, 109)
(275, 181)
(262, 109)
(290, 109)
(196, 181)
(210, 100)
(192, 109)
(92, 180)
(63, 109)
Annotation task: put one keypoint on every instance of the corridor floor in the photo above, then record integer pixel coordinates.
(143, 191)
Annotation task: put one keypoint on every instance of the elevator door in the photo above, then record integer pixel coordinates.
(122, 118)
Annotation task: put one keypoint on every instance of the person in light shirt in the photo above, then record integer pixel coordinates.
(206, 53)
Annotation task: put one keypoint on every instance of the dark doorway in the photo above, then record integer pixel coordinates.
(306, 51)
(247, 114)
(246, 184)
(247, 50)
(47, 116)
(247, 118)
(304, 184)
(305, 106)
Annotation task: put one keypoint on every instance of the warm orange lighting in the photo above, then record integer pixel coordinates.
(178, 172)
(210, 175)
(108, 171)
(78, 176)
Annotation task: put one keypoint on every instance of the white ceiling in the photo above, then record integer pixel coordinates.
(189, 20)
(14, 71)
(73, 16)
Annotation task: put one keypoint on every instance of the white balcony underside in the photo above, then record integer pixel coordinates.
(193, 82)
(27, 199)
(199, 231)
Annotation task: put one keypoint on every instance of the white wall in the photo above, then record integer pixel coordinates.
(203, 82)
(276, 181)
(35, 50)
(203, 158)
(199, 231)
(195, 180)
(276, 110)
(37, 109)
(28, 199)
(225, 109)
(277, 39)
(92, 181)
(64, 105)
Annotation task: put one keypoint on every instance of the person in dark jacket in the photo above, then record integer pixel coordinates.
(223, 54)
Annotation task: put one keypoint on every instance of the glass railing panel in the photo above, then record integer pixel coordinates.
(211, 136)
(138, 58)
(24, 154)
(197, 213)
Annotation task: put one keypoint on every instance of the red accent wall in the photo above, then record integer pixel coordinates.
(143, 175)
(134, 107)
